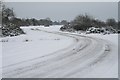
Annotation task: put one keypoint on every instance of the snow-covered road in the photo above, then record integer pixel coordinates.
(86, 57)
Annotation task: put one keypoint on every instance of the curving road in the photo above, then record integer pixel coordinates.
(78, 60)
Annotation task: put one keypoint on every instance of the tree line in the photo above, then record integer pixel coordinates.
(35, 22)
(11, 24)
(83, 22)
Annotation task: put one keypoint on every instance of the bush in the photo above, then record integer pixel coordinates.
(83, 22)
(10, 26)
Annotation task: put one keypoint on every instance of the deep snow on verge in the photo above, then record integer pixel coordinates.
(93, 56)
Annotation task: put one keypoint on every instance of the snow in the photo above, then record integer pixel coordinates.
(109, 68)
(46, 52)
(0, 59)
(102, 30)
(0, 53)
(38, 44)
(54, 28)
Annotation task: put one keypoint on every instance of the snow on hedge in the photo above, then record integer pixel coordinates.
(103, 30)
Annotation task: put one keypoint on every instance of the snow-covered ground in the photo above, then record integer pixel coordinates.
(48, 52)
(109, 67)
(33, 44)
(0, 54)
(0, 59)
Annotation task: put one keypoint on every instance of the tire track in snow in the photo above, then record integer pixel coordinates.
(64, 63)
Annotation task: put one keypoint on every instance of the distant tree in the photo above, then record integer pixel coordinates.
(118, 25)
(34, 22)
(17, 21)
(82, 22)
(48, 19)
(7, 15)
(48, 22)
(64, 22)
(98, 23)
(112, 23)
(28, 22)
(56, 23)
(10, 25)
(45, 22)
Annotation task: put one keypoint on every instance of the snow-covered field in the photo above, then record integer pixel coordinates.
(46, 52)
(32, 45)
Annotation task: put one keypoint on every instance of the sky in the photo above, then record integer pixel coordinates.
(58, 11)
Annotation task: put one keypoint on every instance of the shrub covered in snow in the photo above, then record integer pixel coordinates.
(118, 31)
(9, 27)
(103, 30)
(11, 30)
(67, 27)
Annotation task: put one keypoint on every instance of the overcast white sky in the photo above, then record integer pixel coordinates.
(64, 10)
